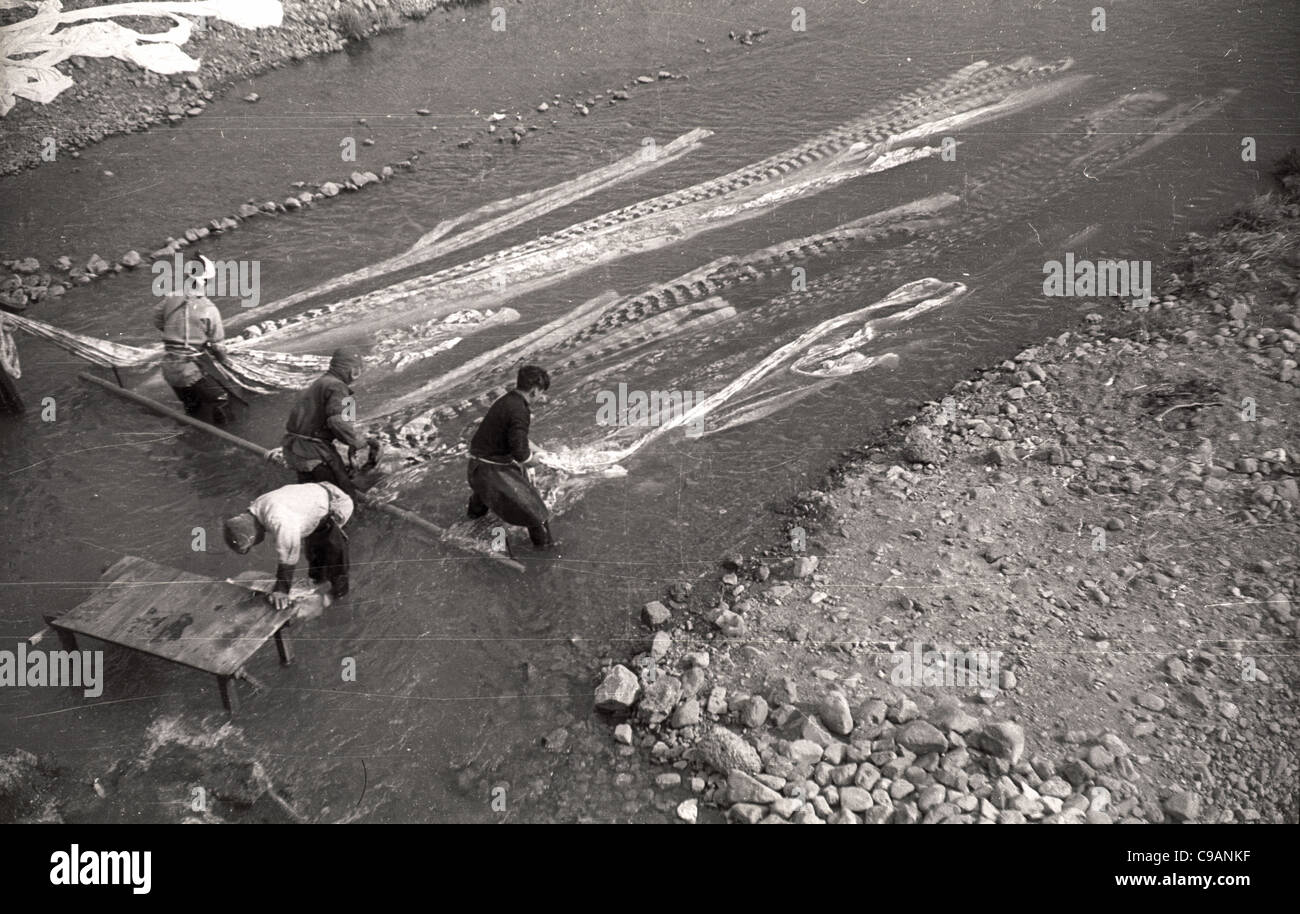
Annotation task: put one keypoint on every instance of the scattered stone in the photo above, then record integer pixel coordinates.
(1280, 606)
(660, 645)
(753, 712)
(744, 788)
(724, 750)
(805, 752)
(659, 699)
(731, 624)
(687, 714)
(1002, 739)
(920, 446)
(921, 737)
(655, 614)
(1151, 701)
(746, 813)
(948, 715)
(872, 711)
(804, 566)
(1185, 806)
(835, 714)
(619, 690)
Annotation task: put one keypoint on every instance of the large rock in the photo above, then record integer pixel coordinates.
(835, 714)
(804, 752)
(811, 729)
(921, 737)
(872, 711)
(1002, 739)
(619, 690)
(660, 698)
(920, 446)
(723, 750)
(804, 566)
(1184, 806)
(687, 714)
(655, 614)
(855, 799)
(1280, 606)
(746, 813)
(660, 645)
(753, 713)
(743, 787)
(731, 624)
(948, 715)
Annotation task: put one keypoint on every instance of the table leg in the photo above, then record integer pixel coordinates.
(229, 694)
(284, 647)
(67, 639)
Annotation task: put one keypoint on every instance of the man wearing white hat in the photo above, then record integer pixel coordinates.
(191, 329)
(309, 514)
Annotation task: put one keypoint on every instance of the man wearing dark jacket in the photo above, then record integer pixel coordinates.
(322, 415)
(497, 454)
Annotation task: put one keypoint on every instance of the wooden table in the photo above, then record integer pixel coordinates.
(204, 624)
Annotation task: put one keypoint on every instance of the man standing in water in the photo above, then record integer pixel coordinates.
(323, 415)
(497, 455)
(192, 333)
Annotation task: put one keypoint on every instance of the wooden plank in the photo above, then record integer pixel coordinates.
(208, 625)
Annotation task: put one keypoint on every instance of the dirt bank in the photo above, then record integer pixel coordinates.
(113, 96)
(1100, 533)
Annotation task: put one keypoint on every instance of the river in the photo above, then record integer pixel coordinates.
(459, 661)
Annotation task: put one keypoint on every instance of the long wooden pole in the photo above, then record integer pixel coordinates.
(265, 453)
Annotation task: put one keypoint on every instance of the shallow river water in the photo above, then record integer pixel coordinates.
(458, 660)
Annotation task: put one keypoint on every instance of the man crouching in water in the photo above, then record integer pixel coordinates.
(307, 514)
(321, 416)
(497, 455)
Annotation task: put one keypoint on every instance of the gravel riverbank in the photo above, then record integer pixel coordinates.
(113, 96)
(1066, 593)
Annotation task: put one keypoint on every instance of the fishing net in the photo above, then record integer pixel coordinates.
(255, 370)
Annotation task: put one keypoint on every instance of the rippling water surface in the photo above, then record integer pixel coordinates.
(460, 662)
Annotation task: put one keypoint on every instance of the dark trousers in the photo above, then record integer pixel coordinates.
(10, 401)
(479, 477)
(331, 471)
(327, 556)
(205, 400)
